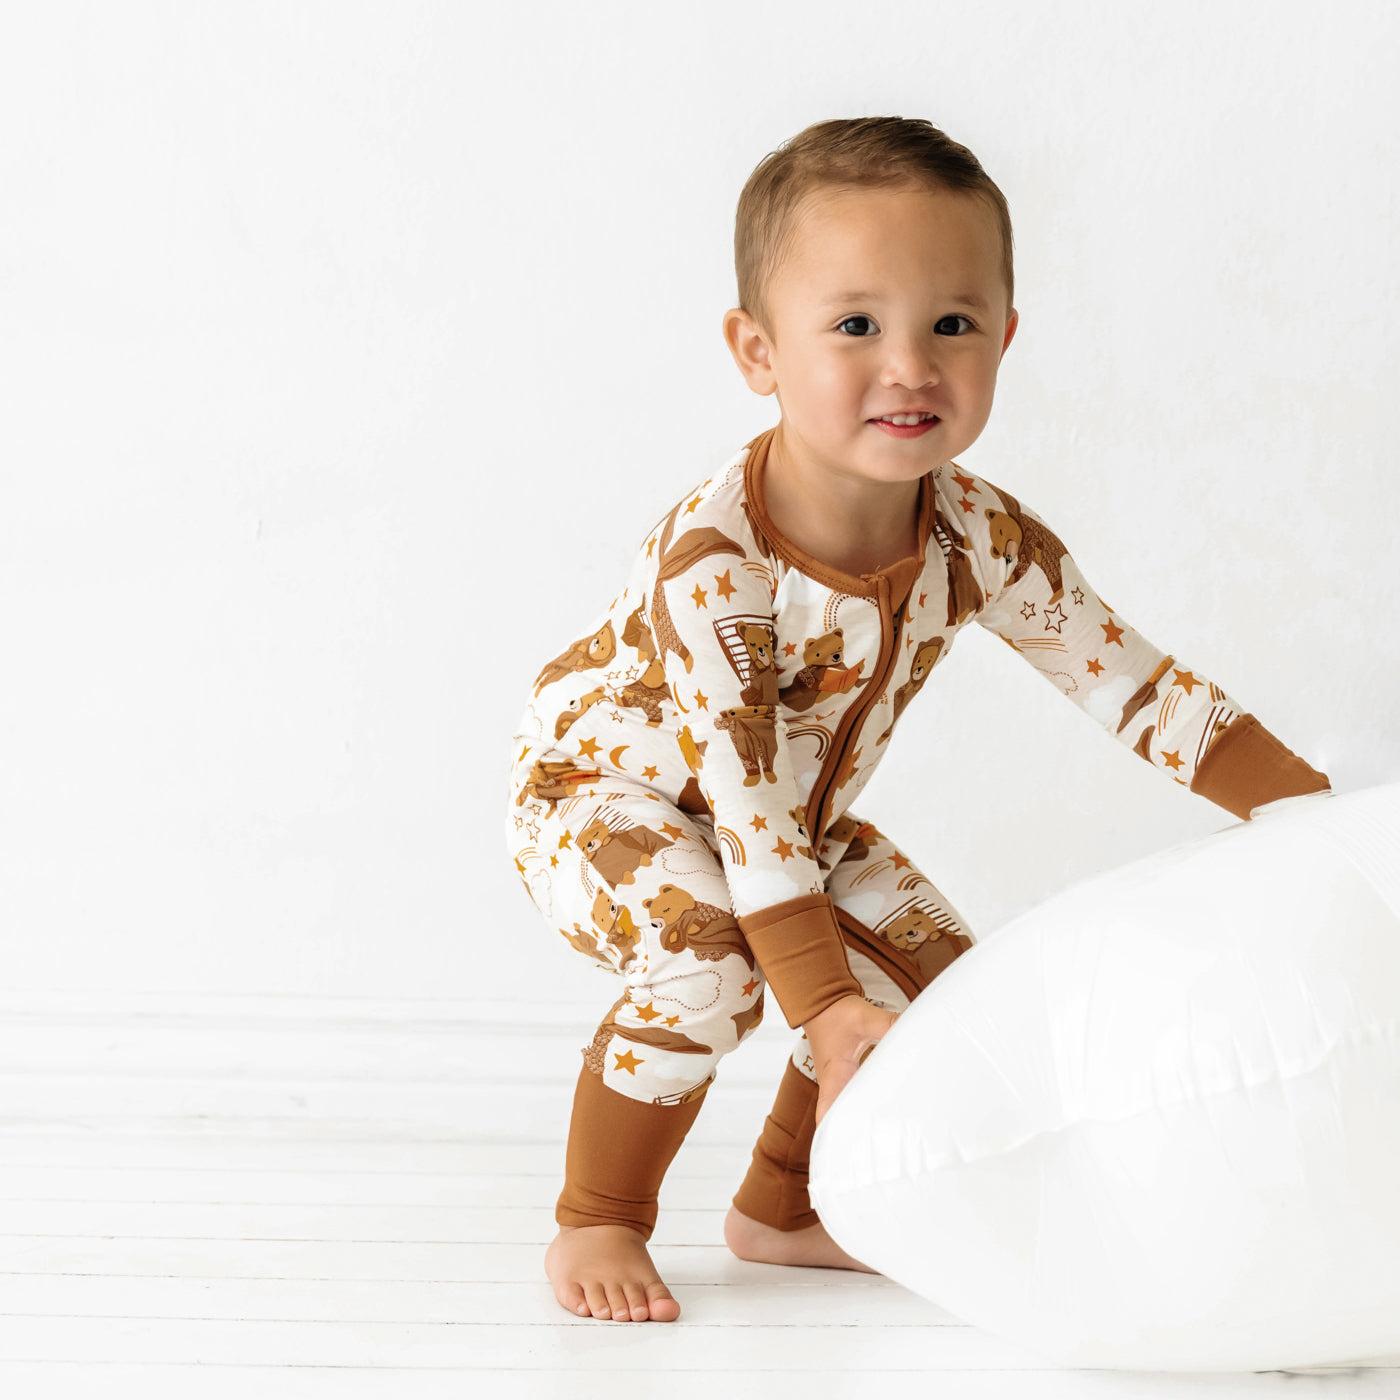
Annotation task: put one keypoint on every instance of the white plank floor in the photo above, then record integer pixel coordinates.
(201, 1196)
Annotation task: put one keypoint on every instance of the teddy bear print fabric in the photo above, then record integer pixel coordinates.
(735, 697)
(640, 889)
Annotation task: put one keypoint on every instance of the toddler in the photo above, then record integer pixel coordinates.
(684, 774)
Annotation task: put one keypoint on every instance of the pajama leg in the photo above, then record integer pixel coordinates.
(637, 885)
(900, 933)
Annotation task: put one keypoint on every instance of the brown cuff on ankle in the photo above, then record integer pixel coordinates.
(618, 1152)
(798, 945)
(1246, 767)
(775, 1190)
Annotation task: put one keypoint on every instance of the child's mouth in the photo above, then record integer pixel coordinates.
(911, 430)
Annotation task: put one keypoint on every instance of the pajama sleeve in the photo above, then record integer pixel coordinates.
(712, 617)
(1157, 705)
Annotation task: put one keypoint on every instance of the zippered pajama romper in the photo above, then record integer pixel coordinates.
(682, 781)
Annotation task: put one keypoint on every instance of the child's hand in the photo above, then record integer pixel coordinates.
(841, 1037)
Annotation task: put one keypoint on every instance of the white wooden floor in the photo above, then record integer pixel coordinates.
(207, 1196)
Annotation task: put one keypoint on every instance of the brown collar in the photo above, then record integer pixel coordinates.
(901, 574)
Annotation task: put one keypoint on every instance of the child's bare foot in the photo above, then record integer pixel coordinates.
(605, 1270)
(812, 1248)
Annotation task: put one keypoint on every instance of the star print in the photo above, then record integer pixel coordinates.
(565, 839)
(758, 823)
(1095, 667)
(519, 822)
(1173, 759)
(967, 506)
(699, 596)
(1028, 611)
(964, 482)
(554, 860)
(901, 862)
(648, 1013)
(671, 831)
(702, 700)
(1056, 619)
(750, 985)
(588, 748)
(650, 772)
(789, 649)
(1185, 680)
(724, 585)
(1111, 632)
(673, 1020)
(783, 849)
(629, 1062)
(616, 717)
(535, 830)
(650, 542)
(691, 507)
(1077, 594)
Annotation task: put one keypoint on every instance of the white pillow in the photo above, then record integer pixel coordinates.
(1155, 1121)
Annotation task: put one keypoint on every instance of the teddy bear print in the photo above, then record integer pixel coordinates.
(577, 707)
(932, 939)
(551, 781)
(648, 691)
(615, 855)
(586, 655)
(708, 931)
(617, 924)
(910, 927)
(750, 726)
(857, 836)
(1016, 536)
(925, 659)
(819, 655)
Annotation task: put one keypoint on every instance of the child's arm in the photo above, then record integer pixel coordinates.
(711, 614)
(1161, 708)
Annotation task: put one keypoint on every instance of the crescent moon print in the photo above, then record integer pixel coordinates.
(615, 760)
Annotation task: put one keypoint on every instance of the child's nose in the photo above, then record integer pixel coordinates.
(912, 364)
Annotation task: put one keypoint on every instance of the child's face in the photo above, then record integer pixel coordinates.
(926, 332)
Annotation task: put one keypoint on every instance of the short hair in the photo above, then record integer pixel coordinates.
(848, 153)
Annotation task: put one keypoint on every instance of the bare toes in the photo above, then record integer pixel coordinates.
(636, 1301)
(597, 1300)
(660, 1304)
(570, 1296)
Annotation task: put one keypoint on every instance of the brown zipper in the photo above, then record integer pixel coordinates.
(849, 729)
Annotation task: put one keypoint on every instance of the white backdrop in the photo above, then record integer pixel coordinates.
(349, 350)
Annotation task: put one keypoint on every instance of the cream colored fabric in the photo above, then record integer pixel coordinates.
(754, 690)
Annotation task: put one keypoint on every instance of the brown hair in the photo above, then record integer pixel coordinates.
(847, 153)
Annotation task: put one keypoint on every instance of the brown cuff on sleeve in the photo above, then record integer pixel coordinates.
(1246, 767)
(798, 946)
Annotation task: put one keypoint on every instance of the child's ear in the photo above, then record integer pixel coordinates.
(1011, 323)
(749, 347)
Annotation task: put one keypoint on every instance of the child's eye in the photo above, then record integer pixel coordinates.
(941, 328)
